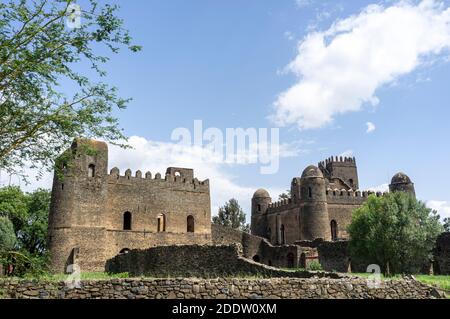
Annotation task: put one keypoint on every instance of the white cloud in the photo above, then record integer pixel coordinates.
(289, 35)
(347, 153)
(370, 127)
(380, 188)
(340, 69)
(442, 207)
(155, 156)
(303, 3)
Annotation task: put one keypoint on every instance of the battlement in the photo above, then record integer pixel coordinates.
(337, 159)
(171, 178)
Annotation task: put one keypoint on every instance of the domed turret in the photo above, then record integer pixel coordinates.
(400, 182)
(260, 202)
(312, 171)
(314, 219)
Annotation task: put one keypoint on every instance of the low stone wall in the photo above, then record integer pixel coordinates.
(205, 261)
(179, 288)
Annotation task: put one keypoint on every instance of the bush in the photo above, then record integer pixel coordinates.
(314, 265)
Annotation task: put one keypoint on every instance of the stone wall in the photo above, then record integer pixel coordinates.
(205, 261)
(258, 248)
(442, 254)
(224, 288)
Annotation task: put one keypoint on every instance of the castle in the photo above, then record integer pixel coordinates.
(95, 216)
(320, 204)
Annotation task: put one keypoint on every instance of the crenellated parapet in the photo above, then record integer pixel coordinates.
(337, 159)
(343, 196)
(170, 179)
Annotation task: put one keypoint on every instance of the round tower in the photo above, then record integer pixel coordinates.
(260, 202)
(400, 182)
(314, 221)
(79, 194)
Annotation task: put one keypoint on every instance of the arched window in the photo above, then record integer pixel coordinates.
(127, 221)
(259, 207)
(124, 251)
(309, 192)
(190, 224)
(283, 239)
(177, 173)
(161, 223)
(334, 230)
(290, 260)
(350, 181)
(256, 258)
(91, 170)
(269, 233)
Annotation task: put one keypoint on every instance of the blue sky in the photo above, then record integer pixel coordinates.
(228, 63)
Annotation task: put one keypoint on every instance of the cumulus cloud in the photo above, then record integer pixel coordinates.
(340, 69)
(370, 127)
(380, 188)
(442, 207)
(156, 156)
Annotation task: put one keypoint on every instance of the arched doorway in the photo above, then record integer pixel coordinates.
(256, 258)
(290, 260)
(127, 221)
(334, 230)
(190, 224)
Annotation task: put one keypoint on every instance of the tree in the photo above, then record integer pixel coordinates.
(447, 224)
(232, 215)
(45, 100)
(395, 231)
(28, 215)
(285, 195)
(7, 236)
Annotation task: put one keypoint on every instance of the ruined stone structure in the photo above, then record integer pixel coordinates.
(95, 215)
(320, 206)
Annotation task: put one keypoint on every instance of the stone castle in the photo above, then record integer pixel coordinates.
(95, 216)
(320, 204)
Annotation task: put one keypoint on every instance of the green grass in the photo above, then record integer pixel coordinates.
(442, 282)
(84, 276)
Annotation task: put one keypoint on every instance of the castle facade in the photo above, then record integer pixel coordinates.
(320, 205)
(96, 215)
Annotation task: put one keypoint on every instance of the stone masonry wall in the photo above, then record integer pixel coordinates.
(222, 288)
(204, 261)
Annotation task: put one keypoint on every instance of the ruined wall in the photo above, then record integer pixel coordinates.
(223, 288)
(442, 254)
(206, 261)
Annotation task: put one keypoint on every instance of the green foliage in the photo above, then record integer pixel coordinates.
(447, 224)
(28, 215)
(7, 236)
(395, 231)
(314, 265)
(232, 215)
(39, 61)
(285, 195)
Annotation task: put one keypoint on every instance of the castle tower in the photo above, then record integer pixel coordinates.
(295, 189)
(314, 221)
(79, 194)
(400, 182)
(260, 202)
(342, 170)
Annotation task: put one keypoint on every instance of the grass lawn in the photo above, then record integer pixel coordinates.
(442, 282)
